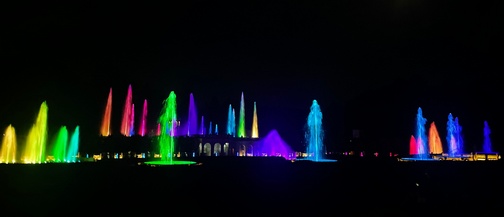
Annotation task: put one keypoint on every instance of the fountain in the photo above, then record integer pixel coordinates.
(487, 143)
(105, 128)
(273, 146)
(314, 135)
(413, 149)
(435, 145)
(143, 122)
(255, 128)
(230, 122)
(37, 138)
(9, 144)
(241, 119)
(73, 147)
(60, 145)
(126, 127)
(420, 135)
(192, 119)
(454, 136)
(168, 122)
(418, 146)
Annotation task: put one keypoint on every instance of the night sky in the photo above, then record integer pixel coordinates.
(369, 64)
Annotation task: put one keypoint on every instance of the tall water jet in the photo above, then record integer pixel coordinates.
(132, 120)
(451, 137)
(421, 135)
(241, 120)
(143, 121)
(435, 145)
(210, 128)
(273, 146)
(9, 146)
(487, 143)
(216, 129)
(413, 149)
(202, 125)
(126, 123)
(60, 145)
(459, 137)
(168, 123)
(255, 128)
(37, 138)
(314, 134)
(192, 119)
(233, 123)
(73, 146)
(230, 121)
(107, 116)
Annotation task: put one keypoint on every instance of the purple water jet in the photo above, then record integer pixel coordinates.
(273, 146)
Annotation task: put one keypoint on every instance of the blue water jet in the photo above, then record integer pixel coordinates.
(487, 143)
(314, 134)
(459, 137)
(421, 135)
(454, 136)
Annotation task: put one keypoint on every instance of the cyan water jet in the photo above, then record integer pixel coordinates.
(314, 135)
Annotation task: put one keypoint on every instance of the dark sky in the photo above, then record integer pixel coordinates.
(369, 64)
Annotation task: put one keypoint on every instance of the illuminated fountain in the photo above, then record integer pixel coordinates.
(72, 154)
(314, 135)
(419, 144)
(421, 136)
(105, 128)
(143, 122)
(273, 146)
(413, 149)
(60, 145)
(202, 126)
(168, 122)
(230, 130)
(241, 120)
(192, 119)
(126, 124)
(487, 143)
(34, 151)
(454, 137)
(255, 128)
(9, 144)
(435, 145)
